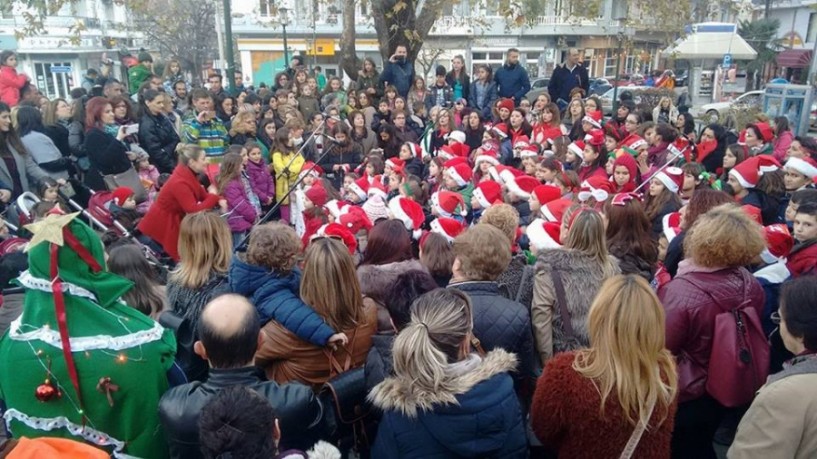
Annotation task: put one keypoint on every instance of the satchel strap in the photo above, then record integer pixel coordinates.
(478, 346)
(527, 273)
(561, 300)
(635, 438)
(335, 368)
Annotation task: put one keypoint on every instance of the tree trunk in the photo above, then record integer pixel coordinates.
(349, 61)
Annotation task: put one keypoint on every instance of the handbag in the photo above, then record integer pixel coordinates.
(635, 437)
(130, 178)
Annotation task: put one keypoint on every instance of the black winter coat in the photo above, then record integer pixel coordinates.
(351, 154)
(107, 156)
(299, 412)
(59, 135)
(500, 322)
(159, 139)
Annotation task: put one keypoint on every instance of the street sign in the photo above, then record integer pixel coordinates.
(60, 69)
(727, 61)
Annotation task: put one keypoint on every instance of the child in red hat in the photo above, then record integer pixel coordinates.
(594, 157)
(662, 197)
(458, 179)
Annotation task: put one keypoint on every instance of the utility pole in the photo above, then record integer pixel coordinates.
(228, 46)
(620, 36)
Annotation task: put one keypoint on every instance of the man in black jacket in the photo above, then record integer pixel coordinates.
(229, 330)
(481, 255)
(567, 76)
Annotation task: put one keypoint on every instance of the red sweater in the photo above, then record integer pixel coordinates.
(566, 418)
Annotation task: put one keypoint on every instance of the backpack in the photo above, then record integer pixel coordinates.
(739, 359)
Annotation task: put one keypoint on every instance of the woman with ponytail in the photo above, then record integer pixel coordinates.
(444, 400)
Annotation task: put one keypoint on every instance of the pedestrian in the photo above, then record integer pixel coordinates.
(512, 79)
(571, 74)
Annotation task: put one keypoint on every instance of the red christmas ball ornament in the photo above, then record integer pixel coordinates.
(46, 391)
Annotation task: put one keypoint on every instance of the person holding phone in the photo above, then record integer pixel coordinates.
(107, 152)
(203, 128)
(398, 72)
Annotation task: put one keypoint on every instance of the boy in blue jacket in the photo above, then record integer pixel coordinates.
(270, 280)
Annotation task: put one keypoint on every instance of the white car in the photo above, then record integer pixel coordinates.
(715, 111)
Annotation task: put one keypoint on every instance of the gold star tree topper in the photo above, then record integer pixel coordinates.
(49, 229)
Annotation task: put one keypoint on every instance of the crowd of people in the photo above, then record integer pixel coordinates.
(405, 271)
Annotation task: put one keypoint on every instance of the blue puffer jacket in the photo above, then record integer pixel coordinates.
(275, 297)
(476, 415)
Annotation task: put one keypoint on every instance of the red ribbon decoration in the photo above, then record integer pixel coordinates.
(62, 323)
(80, 249)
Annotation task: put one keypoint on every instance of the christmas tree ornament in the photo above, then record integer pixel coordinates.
(46, 391)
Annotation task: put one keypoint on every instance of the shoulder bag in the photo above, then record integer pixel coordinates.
(130, 178)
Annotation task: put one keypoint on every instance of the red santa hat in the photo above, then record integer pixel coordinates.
(595, 138)
(447, 227)
(312, 169)
(672, 178)
(336, 208)
(577, 148)
(554, 211)
(805, 166)
(634, 141)
(543, 234)
(521, 141)
(460, 173)
(681, 148)
(378, 188)
(336, 231)
(317, 195)
(454, 161)
(447, 152)
(456, 136)
(395, 163)
(779, 243)
(504, 174)
(547, 193)
(522, 186)
(671, 225)
(530, 151)
(486, 156)
(355, 220)
(767, 163)
(408, 212)
(594, 118)
(766, 132)
(488, 193)
(121, 194)
(596, 187)
(360, 187)
(415, 149)
(501, 129)
(447, 202)
(747, 173)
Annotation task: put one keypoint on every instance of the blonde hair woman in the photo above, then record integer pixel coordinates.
(444, 400)
(625, 383)
(329, 284)
(665, 111)
(566, 281)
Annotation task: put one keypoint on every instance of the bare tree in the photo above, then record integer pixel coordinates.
(427, 57)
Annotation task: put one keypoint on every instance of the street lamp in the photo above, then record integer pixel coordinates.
(283, 17)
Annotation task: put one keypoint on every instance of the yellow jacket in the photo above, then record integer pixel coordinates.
(279, 163)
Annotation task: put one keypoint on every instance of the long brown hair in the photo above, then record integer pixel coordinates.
(10, 139)
(230, 170)
(129, 262)
(653, 205)
(628, 230)
(205, 246)
(330, 284)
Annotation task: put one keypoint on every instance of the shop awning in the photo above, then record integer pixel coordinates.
(794, 58)
(711, 45)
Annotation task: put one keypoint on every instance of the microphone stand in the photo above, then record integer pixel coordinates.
(669, 163)
(300, 150)
(240, 246)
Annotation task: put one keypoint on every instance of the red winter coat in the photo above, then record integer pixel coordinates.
(692, 300)
(566, 417)
(181, 195)
(803, 259)
(11, 83)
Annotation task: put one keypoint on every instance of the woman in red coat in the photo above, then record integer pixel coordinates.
(589, 403)
(711, 280)
(181, 195)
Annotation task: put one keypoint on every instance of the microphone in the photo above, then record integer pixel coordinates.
(328, 137)
(327, 116)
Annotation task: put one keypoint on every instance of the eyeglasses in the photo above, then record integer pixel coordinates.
(775, 317)
(630, 122)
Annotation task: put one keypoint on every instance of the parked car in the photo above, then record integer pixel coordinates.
(681, 77)
(647, 97)
(537, 86)
(716, 111)
(599, 86)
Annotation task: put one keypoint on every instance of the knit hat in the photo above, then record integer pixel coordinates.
(145, 56)
(378, 188)
(594, 118)
(337, 231)
(671, 224)
(121, 194)
(634, 141)
(595, 138)
(522, 186)
(360, 187)
(555, 210)
(336, 208)
(457, 136)
(779, 243)
(506, 104)
(395, 163)
(447, 227)
(629, 162)
(355, 220)
(577, 148)
(408, 212)
(415, 149)
(543, 234)
(310, 168)
(375, 208)
(672, 178)
(596, 187)
(805, 166)
(547, 193)
(747, 173)
(317, 195)
(460, 173)
(488, 193)
(447, 202)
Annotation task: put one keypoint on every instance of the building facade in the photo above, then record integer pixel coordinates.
(57, 60)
